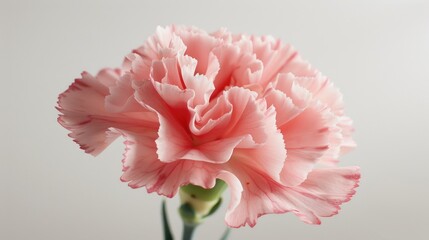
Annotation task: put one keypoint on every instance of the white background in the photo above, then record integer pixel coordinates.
(376, 52)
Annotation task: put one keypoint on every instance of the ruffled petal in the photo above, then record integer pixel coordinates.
(170, 104)
(317, 90)
(199, 45)
(325, 92)
(121, 97)
(215, 116)
(289, 98)
(219, 151)
(174, 141)
(93, 121)
(309, 127)
(163, 44)
(228, 57)
(237, 67)
(142, 168)
(346, 125)
(274, 56)
(222, 34)
(298, 67)
(322, 193)
(319, 196)
(285, 108)
(201, 85)
(247, 116)
(322, 90)
(308, 137)
(83, 113)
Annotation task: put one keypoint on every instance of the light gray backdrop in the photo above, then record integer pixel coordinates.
(376, 52)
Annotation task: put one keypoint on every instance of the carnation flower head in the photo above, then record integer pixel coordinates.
(197, 107)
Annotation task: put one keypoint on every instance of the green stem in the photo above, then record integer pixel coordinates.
(188, 231)
(226, 234)
(165, 224)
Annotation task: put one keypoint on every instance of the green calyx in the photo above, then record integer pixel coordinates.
(205, 194)
(199, 203)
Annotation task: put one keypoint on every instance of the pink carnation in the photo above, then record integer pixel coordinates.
(194, 107)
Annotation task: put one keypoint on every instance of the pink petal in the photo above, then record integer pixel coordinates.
(346, 125)
(263, 146)
(82, 112)
(173, 140)
(289, 98)
(285, 108)
(236, 113)
(219, 151)
(308, 137)
(322, 193)
(213, 67)
(142, 168)
(236, 190)
(109, 77)
(298, 67)
(249, 72)
(323, 90)
(251, 129)
(167, 71)
(274, 56)
(323, 93)
(121, 97)
(319, 196)
(228, 57)
(201, 85)
(94, 125)
(287, 83)
(210, 119)
(163, 44)
(199, 45)
(268, 157)
(237, 68)
(259, 194)
(248, 115)
(222, 34)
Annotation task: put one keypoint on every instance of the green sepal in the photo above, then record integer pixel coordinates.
(214, 208)
(188, 214)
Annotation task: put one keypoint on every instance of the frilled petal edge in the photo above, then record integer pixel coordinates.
(83, 113)
(320, 195)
